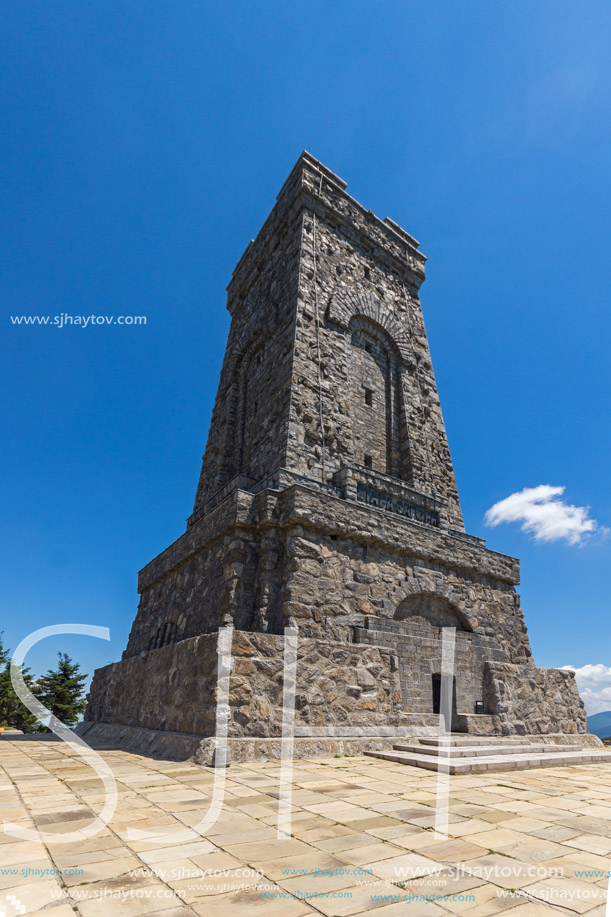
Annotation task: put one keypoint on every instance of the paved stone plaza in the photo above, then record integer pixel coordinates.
(360, 826)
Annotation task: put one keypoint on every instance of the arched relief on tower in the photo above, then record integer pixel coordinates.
(248, 374)
(239, 360)
(378, 415)
(433, 610)
(248, 404)
(260, 323)
(169, 631)
(347, 304)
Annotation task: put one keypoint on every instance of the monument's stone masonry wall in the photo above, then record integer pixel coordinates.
(418, 647)
(249, 427)
(529, 700)
(327, 502)
(338, 684)
(171, 689)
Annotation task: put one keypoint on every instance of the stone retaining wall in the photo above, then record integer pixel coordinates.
(343, 684)
(531, 700)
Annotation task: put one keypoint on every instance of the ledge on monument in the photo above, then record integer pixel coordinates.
(349, 476)
(320, 167)
(401, 232)
(403, 246)
(181, 746)
(420, 538)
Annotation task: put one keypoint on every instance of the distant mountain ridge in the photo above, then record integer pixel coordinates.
(600, 724)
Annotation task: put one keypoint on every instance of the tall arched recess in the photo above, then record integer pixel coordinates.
(434, 610)
(379, 427)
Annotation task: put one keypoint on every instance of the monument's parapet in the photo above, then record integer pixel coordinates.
(327, 500)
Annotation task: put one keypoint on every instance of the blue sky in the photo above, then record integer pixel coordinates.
(143, 144)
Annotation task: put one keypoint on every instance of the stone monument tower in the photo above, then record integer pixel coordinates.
(327, 500)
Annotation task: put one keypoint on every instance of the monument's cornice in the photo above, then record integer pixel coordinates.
(302, 503)
(312, 187)
(335, 515)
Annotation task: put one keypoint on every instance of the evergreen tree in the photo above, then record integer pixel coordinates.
(61, 690)
(12, 711)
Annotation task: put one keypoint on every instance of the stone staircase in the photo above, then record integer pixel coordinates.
(465, 754)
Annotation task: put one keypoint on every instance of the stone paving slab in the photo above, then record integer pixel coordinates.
(363, 839)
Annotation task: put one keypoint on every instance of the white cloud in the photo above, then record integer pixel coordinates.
(544, 515)
(594, 683)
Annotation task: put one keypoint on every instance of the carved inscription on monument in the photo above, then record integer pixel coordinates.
(394, 505)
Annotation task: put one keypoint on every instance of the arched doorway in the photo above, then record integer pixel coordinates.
(420, 622)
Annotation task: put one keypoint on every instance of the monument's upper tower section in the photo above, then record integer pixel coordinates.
(327, 372)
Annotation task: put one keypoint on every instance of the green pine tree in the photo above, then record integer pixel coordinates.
(61, 690)
(12, 711)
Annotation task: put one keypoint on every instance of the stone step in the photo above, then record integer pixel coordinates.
(469, 751)
(502, 762)
(462, 738)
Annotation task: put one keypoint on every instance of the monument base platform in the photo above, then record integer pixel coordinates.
(182, 746)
